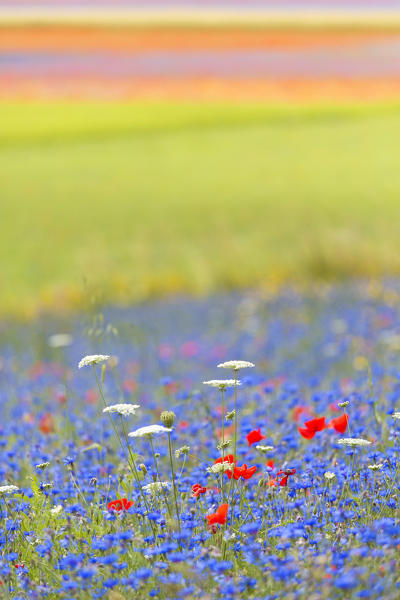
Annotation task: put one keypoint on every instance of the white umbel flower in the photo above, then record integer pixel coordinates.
(222, 384)
(220, 467)
(149, 430)
(125, 410)
(56, 510)
(396, 415)
(329, 475)
(265, 449)
(93, 359)
(353, 442)
(157, 486)
(375, 467)
(60, 340)
(8, 489)
(236, 365)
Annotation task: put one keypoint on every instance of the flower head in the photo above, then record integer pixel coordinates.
(219, 516)
(329, 475)
(56, 510)
(222, 384)
(375, 467)
(93, 359)
(149, 430)
(353, 442)
(125, 410)
(8, 489)
(197, 489)
(255, 436)
(243, 471)
(311, 427)
(396, 415)
(339, 424)
(122, 504)
(156, 486)
(236, 365)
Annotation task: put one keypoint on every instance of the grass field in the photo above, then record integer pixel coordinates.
(141, 199)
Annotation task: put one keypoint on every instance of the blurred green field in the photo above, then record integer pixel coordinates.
(142, 199)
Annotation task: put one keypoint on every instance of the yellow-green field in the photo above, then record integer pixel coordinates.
(140, 199)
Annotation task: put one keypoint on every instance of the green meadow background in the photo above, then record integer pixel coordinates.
(141, 199)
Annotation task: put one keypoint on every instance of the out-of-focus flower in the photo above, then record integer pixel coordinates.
(353, 442)
(376, 467)
(120, 504)
(221, 384)
(311, 427)
(125, 410)
(275, 482)
(183, 450)
(264, 449)
(236, 365)
(93, 359)
(219, 516)
(329, 475)
(46, 423)
(255, 436)
(56, 510)
(60, 340)
(42, 466)
(8, 489)
(396, 415)
(149, 430)
(339, 424)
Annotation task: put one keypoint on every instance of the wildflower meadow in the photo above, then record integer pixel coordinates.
(241, 446)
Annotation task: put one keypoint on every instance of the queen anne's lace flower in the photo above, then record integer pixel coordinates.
(376, 467)
(353, 442)
(93, 359)
(56, 510)
(329, 475)
(219, 468)
(149, 430)
(236, 364)
(396, 415)
(222, 384)
(8, 489)
(156, 486)
(125, 410)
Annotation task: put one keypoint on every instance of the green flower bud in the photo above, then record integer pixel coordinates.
(167, 418)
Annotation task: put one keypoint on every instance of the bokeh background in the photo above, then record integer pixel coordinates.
(155, 147)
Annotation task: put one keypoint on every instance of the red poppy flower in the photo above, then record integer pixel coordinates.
(283, 482)
(255, 436)
(311, 427)
(219, 516)
(270, 463)
(197, 489)
(242, 471)
(122, 504)
(299, 410)
(46, 423)
(340, 423)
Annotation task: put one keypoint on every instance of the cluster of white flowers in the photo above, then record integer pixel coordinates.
(60, 340)
(93, 359)
(375, 467)
(8, 489)
(264, 449)
(329, 475)
(157, 486)
(222, 384)
(42, 465)
(125, 410)
(56, 510)
(220, 467)
(396, 415)
(149, 430)
(236, 365)
(353, 442)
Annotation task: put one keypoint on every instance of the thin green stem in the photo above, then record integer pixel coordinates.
(173, 480)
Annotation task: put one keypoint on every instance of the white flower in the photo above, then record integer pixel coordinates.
(220, 467)
(396, 415)
(93, 359)
(56, 510)
(60, 340)
(353, 442)
(222, 384)
(236, 364)
(329, 475)
(125, 410)
(149, 430)
(8, 489)
(42, 465)
(264, 449)
(376, 467)
(157, 486)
